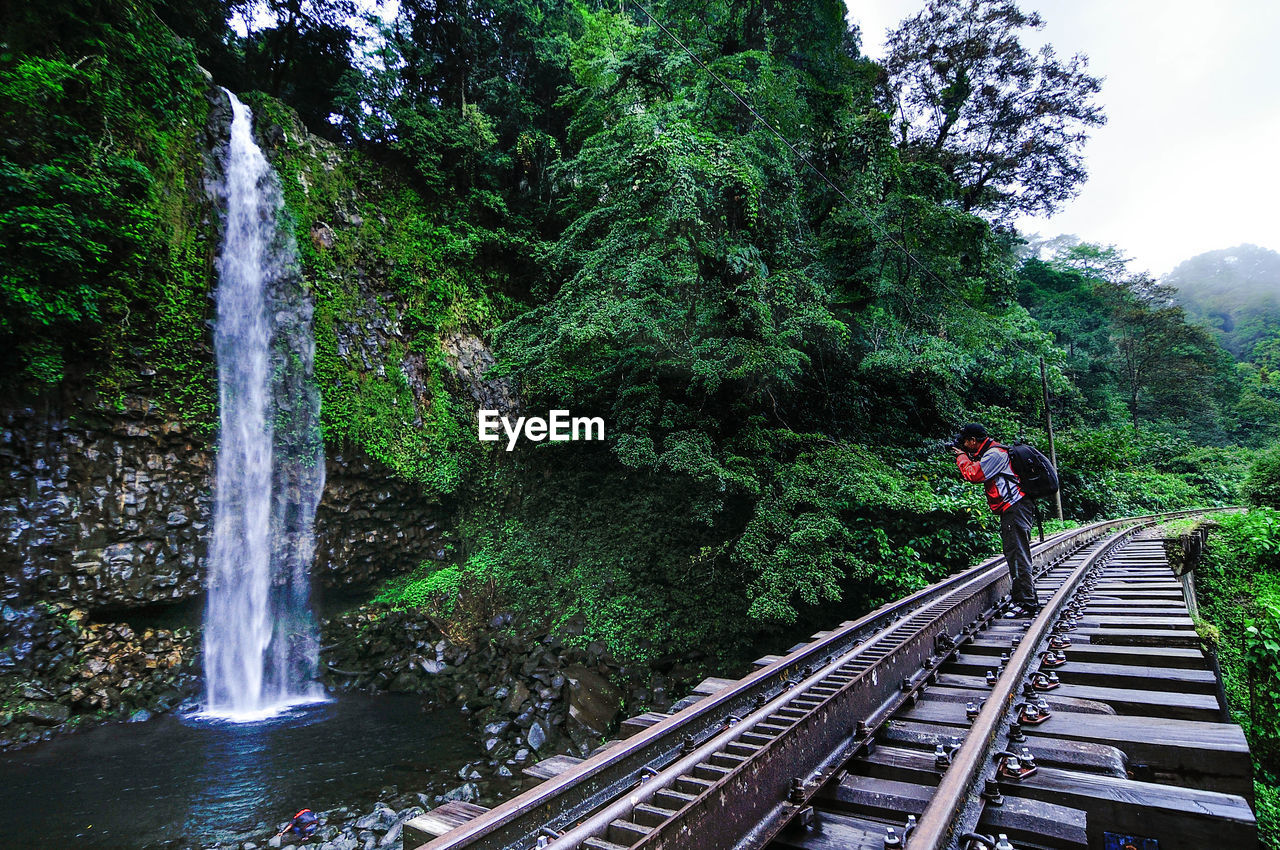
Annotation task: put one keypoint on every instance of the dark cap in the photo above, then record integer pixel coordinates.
(974, 430)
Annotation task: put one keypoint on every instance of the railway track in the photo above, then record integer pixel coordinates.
(932, 722)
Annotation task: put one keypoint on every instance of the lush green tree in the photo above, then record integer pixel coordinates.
(1006, 124)
(1165, 362)
(297, 50)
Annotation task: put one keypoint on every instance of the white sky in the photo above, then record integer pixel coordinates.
(1187, 161)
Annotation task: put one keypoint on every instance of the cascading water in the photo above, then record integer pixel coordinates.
(260, 637)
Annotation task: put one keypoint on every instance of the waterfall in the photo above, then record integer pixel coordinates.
(260, 637)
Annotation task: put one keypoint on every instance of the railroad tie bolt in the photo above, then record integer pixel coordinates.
(808, 818)
(863, 730)
(1015, 642)
(929, 662)
(1002, 843)
(1015, 733)
(796, 795)
(991, 792)
(941, 759)
(971, 709)
(991, 677)
(892, 841)
(1053, 679)
(1028, 759)
(687, 745)
(543, 841)
(760, 701)
(907, 685)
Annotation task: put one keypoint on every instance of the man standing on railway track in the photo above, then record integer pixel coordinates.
(984, 461)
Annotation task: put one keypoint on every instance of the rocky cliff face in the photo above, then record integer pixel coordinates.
(106, 508)
(113, 511)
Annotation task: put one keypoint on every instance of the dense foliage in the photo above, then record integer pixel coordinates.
(1263, 484)
(101, 113)
(1238, 585)
(706, 223)
(1007, 125)
(1130, 348)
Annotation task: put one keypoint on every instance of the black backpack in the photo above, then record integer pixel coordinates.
(1036, 475)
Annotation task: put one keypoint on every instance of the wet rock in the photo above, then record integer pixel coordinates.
(467, 793)
(379, 819)
(392, 836)
(593, 706)
(44, 713)
(137, 531)
(343, 842)
(536, 736)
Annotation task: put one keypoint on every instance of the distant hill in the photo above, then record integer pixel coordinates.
(1235, 291)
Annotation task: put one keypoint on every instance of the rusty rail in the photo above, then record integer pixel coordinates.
(955, 806)
(777, 735)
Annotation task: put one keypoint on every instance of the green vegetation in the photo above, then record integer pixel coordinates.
(776, 360)
(1263, 484)
(1238, 587)
(105, 266)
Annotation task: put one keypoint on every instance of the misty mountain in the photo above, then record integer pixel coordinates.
(1235, 292)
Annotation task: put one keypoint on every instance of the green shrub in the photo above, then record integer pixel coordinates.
(1262, 487)
(1238, 587)
(1266, 806)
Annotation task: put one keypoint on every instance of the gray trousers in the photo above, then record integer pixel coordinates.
(1015, 537)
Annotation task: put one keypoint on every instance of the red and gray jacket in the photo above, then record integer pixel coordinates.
(993, 468)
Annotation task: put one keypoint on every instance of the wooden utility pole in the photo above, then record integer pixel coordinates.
(1048, 423)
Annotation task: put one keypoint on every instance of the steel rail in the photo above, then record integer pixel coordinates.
(562, 803)
(941, 822)
(812, 721)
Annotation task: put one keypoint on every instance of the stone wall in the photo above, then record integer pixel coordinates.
(113, 511)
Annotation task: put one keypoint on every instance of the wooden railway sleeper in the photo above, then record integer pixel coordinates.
(893, 630)
(1011, 766)
(627, 832)
(650, 815)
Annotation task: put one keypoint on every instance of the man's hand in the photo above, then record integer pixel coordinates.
(955, 451)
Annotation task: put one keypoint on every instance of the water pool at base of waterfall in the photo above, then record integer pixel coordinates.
(183, 781)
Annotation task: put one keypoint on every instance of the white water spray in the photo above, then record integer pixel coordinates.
(260, 638)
